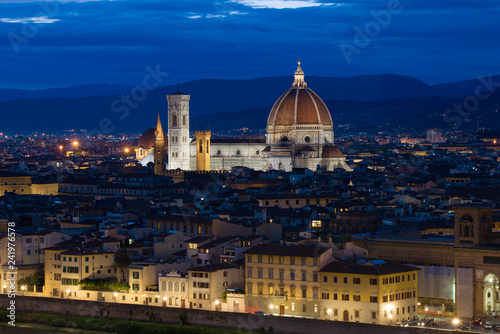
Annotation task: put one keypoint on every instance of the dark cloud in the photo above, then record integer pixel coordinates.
(113, 41)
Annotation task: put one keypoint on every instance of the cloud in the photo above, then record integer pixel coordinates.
(39, 19)
(282, 4)
(194, 17)
(210, 16)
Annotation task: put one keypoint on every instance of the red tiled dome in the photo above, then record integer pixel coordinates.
(148, 138)
(299, 106)
(331, 151)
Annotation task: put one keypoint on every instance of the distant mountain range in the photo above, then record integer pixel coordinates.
(364, 102)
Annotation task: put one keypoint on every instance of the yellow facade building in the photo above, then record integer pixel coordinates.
(15, 183)
(369, 291)
(284, 280)
(64, 269)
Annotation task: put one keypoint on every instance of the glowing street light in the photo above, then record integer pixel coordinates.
(127, 150)
(456, 321)
(217, 302)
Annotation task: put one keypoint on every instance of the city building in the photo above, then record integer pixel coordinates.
(285, 280)
(369, 291)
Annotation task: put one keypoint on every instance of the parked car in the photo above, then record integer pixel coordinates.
(404, 323)
(260, 313)
(463, 328)
(477, 322)
(496, 327)
(487, 325)
(415, 322)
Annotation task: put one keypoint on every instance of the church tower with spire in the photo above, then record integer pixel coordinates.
(178, 131)
(159, 148)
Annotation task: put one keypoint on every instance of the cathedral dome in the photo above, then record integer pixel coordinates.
(148, 138)
(331, 151)
(299, 106)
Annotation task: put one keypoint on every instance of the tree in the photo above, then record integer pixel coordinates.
(122, 260)
(32, 281)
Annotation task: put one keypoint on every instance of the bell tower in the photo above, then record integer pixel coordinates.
(159, 148)
(178, 131)
(203, 150)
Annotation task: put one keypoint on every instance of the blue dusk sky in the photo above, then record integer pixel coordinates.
(63, 43)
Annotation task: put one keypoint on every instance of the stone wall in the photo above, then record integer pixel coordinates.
(241, 321)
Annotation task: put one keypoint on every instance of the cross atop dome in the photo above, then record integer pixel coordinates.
(299, 77)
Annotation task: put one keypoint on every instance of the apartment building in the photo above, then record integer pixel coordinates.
(208, 284)
(284, 280)
(369, 291)
(174, 289)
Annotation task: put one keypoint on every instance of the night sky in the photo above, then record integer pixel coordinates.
(63, 43)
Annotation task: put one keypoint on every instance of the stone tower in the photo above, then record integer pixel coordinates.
(159, 148)
(178, 131)
(203, 150)
(473, 224)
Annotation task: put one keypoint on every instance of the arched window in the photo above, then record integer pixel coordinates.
(201, 146)
(466, 231)
(163, 286)
(183, 287)
(174, 119)
(170, 286)
(176, 286)
(183, 119)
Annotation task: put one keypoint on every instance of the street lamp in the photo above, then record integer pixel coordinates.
(329, 311)
(75, 146)
(115, 295)
(456, 321)
(390, 319)
(68, 292)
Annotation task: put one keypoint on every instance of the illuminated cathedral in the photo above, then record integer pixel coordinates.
(299, 134)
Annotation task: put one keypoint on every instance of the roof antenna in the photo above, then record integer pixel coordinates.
(178, 91)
